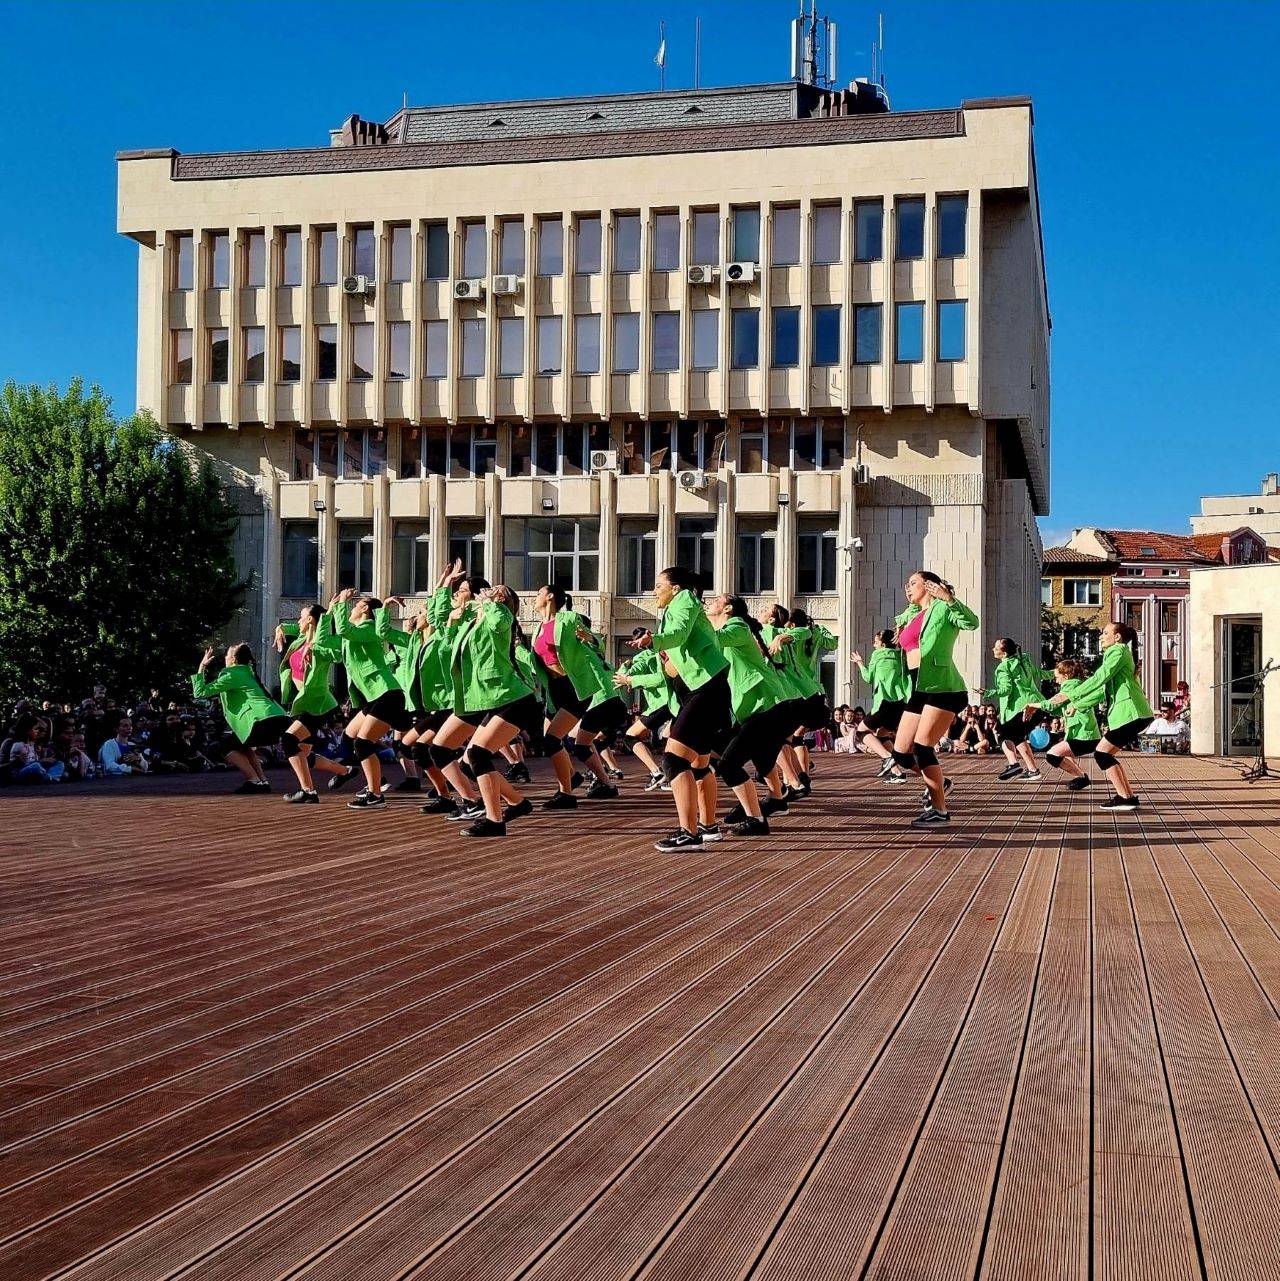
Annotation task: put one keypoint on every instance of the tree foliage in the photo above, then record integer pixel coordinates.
(115, 547)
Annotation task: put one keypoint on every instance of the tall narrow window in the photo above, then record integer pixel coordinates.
(362, 359)
(826, 233)
(290, 353)
(511, 246)
(375, 451)
(696, 545)
(181, 358)
(291, 258)
(219, 261)
(364, 253)
(437, 265)
(910, 229)
(746, 233)
(255, 260)
(304, 454)
(255, 353)
(666, 341)
(951, 330)
(587, 252)
(953, 213)
(466, 543)
(909, 333)
(826, 336)
(626, 342)
(706, 338)
(550, 246)
(401, 254)
(327, 267)
(355, 555)
(786, 337)
(706, 236)
(218, 355)
(474, 250)
(472, 348)
(868, 218)
(751, 457)
(437, 348)
(326, 352)
(637, 555)
(398, 349)
(786, 235)
(510, 346)
(411, 467)
(816, 569)
(756, 542)
(867, 325)
(626, 243)
(666, 242)
(352, 457)
(184, 267)
(586, 344)
(300, 571)
(550, 354)
(327, 453)
(745, 349)
(411, 558)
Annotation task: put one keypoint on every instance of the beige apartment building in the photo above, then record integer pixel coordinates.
(1224, 514)
(774, 332)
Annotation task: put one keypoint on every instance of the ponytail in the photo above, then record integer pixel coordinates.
(1129, 637)
(801, 619)
(1011, 647)
(738, 609)
(887, 638)
(683, 579)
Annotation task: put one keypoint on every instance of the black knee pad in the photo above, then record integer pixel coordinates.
(925, 756)
(349, 746)
(421, 753)
(582, 752)
(550, 744)
(673, 766)
(441, 757)
(481, 761)
(290, 745)
(1053, 762)
(730, 774)
(700, 772)
(1104, 759)
(365, 749)
(907, 760)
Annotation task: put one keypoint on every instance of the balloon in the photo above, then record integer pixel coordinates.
(1039, 738)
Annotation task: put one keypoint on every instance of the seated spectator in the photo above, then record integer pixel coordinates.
(846, 739)
(28, 759)
(1172, 733)
(119, 755)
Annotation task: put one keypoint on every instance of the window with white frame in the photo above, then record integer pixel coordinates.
(466, 543)
(637, 555)
(355, 555)
(462, 451)
(1082, 591)
(816, 562)
(1046, 591)
(362, 454)
(549, 353)
(696, 545)
(756, 545)
(300, 568)
(551, 549)
(803, 444)
(411, 558)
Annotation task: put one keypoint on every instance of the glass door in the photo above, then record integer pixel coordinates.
(1242, 658)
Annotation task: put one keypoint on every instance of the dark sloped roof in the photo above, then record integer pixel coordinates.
(1069, 556)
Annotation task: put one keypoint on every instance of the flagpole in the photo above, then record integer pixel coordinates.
(662, 56)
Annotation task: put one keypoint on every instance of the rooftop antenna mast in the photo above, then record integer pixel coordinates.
(813, 47)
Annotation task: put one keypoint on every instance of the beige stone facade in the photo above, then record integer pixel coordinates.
(1223, 514)
(812, 466)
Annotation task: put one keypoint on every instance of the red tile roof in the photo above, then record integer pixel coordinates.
(1132, 544)
(1069, 556)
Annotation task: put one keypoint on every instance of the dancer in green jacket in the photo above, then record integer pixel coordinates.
(1017, 686)
(886, 673)
(658, 706)
(1081, 723)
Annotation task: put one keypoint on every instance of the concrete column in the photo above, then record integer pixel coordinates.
(269, 483)
(327, 541)
(437, 525)
(155, 396)
(666, 547)
(608, 483)
(785, 549)
(847, 584)
(806, 298)
(726, 557)
(346, 250)
(492, 528)
(382, 534)
(930, 300)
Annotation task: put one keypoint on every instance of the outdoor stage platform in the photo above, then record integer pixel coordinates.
(241, 1040)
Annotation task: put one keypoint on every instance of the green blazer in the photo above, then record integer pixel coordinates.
(1017, 683)
(792, 683)
(754, 685)
(590, 675)
(422, 660)
(807, 647)
(802, 681)
(363, 654)
(1115, 684)
(937, 673)
(532, 673)
(1081, 722)
(689, 640)
(244, 701)
(314, 697)
(480, 662)
(886, 672)
(650, 678)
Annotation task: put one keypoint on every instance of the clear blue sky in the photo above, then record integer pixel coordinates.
(1155, 134)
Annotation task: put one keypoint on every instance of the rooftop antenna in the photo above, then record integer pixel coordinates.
(813, 47)
(697, 52)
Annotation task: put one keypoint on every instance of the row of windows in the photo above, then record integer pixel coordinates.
(473, 249)
(548, 348)
(564, 449)
(565, 553)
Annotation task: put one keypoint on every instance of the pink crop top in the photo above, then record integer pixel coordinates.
(909, 637)
(544, 644)
(298, 663)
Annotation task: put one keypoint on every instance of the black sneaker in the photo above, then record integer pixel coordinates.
(678, 841)
(367, 801)
(561, 801)
(408, 785)
(485, 827)
(519, 773)
(947, 785)
(601, 791)
(440, 805)
(899, 777)
(615, 773)
(1030, 776)
(772, 805)
(735, 815)
(301, 797)
(1078, 784)
(930, 818)
(654, 783)
(467, 812)
(1009, 771)
(576, 780)
(252, 789)
(518, 810)
(887, 767)
(341, 780)
(1120, 803)
(750, 827)
(710, 832)
(806, 785)
(790, 794)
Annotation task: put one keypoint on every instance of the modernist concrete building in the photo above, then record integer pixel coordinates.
(774, 332)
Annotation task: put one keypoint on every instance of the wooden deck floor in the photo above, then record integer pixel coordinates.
(243, 1041)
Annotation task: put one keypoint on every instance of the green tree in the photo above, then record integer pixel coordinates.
(115, 547)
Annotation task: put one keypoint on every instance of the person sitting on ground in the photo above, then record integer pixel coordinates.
(23, 762)
(119, 755)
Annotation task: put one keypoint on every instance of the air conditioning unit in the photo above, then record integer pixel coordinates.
(604, 460)
(357, 286)
(468, 289)
(703, 275)
(741, 273)
(505, 286)
(696, 481)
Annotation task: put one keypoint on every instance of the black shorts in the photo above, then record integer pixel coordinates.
(525, 714)
(314, 721)
(706, 717)
(953, 701)
(1016, 728)
(429, 722)
(607, 718)
(390, 709)
(885, 717)
(1128, 735)
(266, 733)
(564, 698)
(1082, 747)
(815, 712)
(654, 721)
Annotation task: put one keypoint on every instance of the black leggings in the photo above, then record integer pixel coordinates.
(757, 740)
